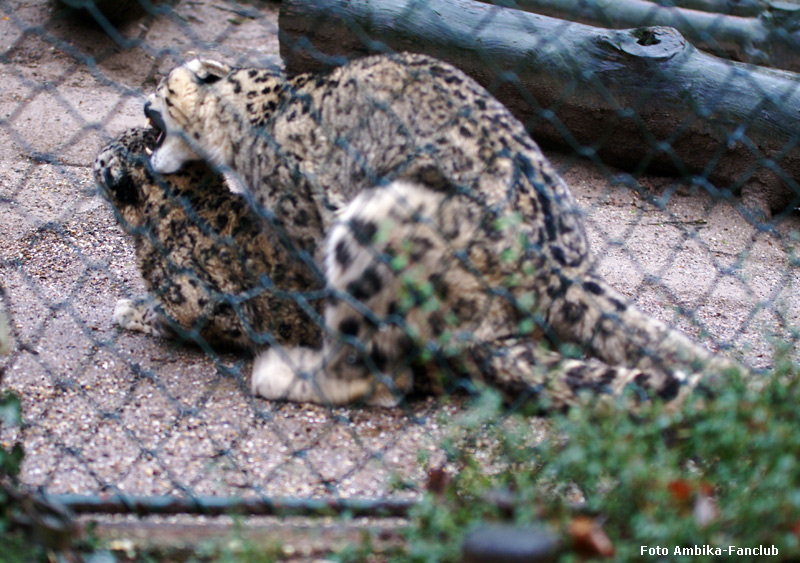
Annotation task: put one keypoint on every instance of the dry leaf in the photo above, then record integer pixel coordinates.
(589, 538)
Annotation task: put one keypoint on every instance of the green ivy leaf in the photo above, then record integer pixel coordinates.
(10, 410)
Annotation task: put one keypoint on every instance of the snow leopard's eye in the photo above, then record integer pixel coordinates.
(208, 78)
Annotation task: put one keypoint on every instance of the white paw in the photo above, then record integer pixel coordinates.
(272, 376)
(127, 315)
(283, 374)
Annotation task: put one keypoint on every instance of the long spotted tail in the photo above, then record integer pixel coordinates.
(592, 314)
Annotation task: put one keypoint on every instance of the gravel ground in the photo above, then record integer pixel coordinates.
(110, 411)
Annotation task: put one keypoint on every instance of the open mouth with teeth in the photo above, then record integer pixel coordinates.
(156, 122)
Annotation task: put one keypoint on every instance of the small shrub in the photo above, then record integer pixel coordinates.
(716, 472)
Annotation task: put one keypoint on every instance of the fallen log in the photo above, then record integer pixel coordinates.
(770, 38)
(639, 99)
(742, 8)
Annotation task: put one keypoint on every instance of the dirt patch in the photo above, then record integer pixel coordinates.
(112, 411)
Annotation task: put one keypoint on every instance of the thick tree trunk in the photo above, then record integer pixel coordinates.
(742, 8)
(637, 98)
(771, 38)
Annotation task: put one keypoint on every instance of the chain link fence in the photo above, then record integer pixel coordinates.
(684, 169)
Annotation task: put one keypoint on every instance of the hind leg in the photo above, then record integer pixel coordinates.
(366, 355)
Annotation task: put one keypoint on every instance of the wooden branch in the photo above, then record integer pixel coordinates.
(636, 98)
(741, 8)
(770, 39)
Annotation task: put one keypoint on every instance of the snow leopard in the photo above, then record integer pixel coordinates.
(213, 275)
(448, 242)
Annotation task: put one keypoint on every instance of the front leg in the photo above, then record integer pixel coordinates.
(141, 315)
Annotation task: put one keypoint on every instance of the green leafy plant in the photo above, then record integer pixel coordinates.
(714, 473)
(16, 546)
(10, 456)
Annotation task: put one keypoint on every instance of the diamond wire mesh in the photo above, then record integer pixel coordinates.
(109, 411)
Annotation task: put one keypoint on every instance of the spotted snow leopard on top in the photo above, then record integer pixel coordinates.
(451, 245)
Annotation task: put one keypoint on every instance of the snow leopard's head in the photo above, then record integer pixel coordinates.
(120, 171)
(184, 108)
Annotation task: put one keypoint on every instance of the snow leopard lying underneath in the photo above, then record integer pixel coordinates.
(451, 245)
(203, 255)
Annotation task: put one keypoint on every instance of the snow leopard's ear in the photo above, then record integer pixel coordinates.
(208, 71)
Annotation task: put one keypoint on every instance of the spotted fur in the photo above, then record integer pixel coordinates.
(451, 245)
(213, 274)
